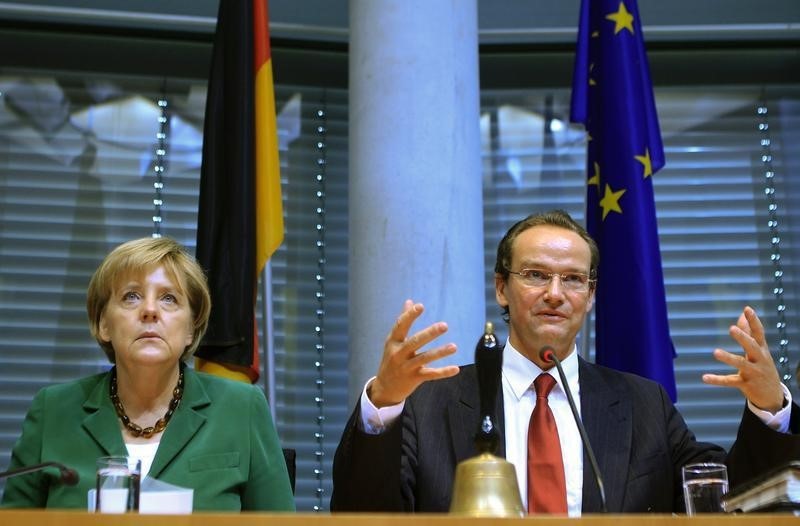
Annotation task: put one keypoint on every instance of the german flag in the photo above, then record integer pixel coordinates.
(240, 216)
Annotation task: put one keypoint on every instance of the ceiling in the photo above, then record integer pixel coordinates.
(500, 21)
(689, 41)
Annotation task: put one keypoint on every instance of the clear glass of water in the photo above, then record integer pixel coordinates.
(704, 484)
(118, 482)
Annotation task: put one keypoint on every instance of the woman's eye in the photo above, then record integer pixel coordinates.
(169, 298)
(130, 296)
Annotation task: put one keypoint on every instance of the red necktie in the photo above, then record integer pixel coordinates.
(547, 488)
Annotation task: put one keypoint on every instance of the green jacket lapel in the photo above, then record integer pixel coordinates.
(185, 423)
(101, 419)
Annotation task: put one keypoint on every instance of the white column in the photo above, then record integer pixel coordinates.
(416, 207)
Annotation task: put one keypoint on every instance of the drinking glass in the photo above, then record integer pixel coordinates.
(118, 481)
(704, 485)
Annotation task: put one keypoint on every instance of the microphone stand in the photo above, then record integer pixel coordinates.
(547, 354)
(66, 475)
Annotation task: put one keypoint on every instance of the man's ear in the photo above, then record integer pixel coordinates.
(500, 290)
(590, 300)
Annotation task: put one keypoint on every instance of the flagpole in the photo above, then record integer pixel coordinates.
(585, 348)
(268, 341)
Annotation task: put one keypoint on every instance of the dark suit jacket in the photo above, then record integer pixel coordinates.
(639, 438)
(221, 442)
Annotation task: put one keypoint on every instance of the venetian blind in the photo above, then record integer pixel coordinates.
(78, 158)
(712, 215)
(77, 155)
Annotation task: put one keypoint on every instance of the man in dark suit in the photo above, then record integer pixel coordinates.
(401, 446)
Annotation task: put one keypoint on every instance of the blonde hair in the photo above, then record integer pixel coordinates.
(141, 255)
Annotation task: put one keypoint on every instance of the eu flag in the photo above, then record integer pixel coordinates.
(612, 95)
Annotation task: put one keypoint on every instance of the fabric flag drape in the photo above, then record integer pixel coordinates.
(240, 216)
(612, 95)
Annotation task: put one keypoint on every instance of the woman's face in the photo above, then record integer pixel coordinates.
(147, 320)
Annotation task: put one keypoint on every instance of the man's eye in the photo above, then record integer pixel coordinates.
(535, 274)
(573, 278)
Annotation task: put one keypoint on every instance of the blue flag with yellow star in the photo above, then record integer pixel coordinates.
(612, 95)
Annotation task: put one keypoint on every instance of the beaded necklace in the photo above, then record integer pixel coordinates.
(159, 426)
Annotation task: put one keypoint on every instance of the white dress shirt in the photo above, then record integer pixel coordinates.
(519, 399)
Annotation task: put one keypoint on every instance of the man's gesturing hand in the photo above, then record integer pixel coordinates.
(756, 376)
(403, 366)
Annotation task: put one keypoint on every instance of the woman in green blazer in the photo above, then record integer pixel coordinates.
(148, 306)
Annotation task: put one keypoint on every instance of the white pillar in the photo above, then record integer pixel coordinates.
(416, 207)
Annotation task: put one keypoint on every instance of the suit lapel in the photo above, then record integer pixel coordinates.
(464, 416)
(187, 420)
(101, 420)
(606, 415)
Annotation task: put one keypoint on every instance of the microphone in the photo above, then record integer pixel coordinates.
(548, 355)
(67, 476)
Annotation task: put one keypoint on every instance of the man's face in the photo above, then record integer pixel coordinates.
(551, 314)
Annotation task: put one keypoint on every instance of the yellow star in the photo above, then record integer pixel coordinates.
(591, 80)
(622, 19)
(645, 160)
(595, 179)
(610, 201)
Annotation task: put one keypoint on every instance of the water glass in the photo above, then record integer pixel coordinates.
(118, 482)
(704, 485)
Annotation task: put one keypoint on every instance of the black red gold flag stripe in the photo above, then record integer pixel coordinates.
(240, 216)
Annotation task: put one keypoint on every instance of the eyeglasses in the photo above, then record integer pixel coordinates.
(573, 281)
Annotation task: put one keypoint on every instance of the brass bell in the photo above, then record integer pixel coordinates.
(486, 485)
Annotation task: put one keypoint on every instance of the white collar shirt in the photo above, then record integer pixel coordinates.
(519, 399)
